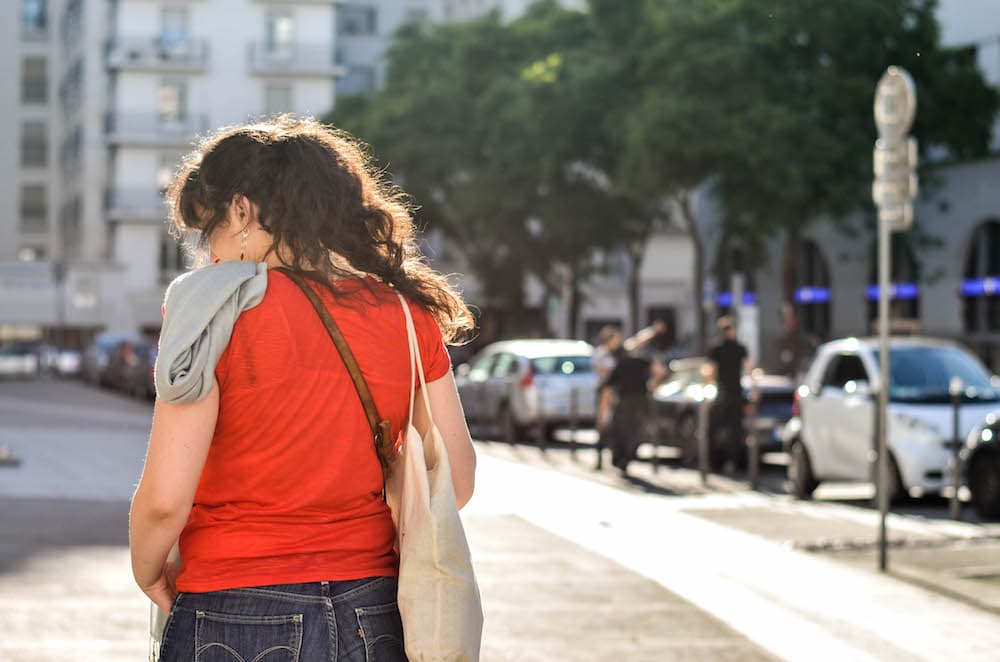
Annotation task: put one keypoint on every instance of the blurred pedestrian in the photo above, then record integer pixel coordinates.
(261, 457)
(727, 362)
(624, 406)
(612, 346)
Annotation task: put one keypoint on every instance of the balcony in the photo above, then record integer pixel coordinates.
(317, 60)
(135, 205)
(158, 54)
(153, 129)
(34, 31)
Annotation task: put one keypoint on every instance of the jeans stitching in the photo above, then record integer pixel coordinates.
(295, 620)
(377, 610)
(310, 599)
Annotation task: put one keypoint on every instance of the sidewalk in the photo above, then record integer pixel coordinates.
(796, 605)
(545, 598)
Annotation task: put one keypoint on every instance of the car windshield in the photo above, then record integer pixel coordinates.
(924, 374)
(561, 365)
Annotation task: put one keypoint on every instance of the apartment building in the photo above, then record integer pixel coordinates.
(27, 230)
(107, 96)
(175, 71)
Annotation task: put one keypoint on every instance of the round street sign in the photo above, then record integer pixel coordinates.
(895, 104)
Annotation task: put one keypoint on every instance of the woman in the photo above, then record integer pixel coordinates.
(261, 459)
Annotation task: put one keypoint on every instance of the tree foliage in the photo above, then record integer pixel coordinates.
(538, 141)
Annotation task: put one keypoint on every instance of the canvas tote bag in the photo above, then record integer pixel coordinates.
(438, 595)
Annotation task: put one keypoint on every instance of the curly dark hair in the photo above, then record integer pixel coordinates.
(319, 195)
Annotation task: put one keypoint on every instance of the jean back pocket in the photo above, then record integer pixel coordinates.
(240, 638)
(381, 628)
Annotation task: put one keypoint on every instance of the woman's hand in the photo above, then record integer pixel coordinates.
(163, 591)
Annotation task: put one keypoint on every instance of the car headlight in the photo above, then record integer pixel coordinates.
(981, 435)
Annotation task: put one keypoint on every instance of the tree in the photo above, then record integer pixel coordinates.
(493, 128)
(774, 101)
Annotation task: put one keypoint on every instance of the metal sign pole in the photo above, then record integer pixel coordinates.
(895, 186)
(885, 255)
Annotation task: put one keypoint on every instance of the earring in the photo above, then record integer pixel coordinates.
(243, 244)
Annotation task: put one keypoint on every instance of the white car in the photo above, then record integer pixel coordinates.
(835, 442)
(18, 360)
(517, 384)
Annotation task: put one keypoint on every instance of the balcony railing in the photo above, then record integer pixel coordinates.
(154, 129)
(157, 53)
(135, 204)
(294, 59)
(34, 32)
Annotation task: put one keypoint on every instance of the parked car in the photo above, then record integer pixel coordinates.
(129, 368)
(982, 466)
(517, 384)
(18, 359)
(94, 365)
(675, 402)
(68, 363)
(837, 413)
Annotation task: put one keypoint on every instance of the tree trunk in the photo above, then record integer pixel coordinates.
(687, 217)
(635, 266)
(791, 344)
(574, 299)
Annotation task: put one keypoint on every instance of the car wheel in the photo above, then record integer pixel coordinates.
(509, 428)
(687, 439)
(984, 483)
(800, 473)
(897, 489)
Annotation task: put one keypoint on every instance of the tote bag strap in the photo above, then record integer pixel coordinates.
(381, 430)
(417, 364)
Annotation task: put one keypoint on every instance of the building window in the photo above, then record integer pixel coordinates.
(34, 208)
(357, 20)
(904, 298)
(174, 30)
(34, 18)
(731, 261)
(172, 102)
(359, 80)
(69, 228)
(165, 169)
(34, 144)
(280, 31)
(812, 292)
(277, 98)
(31, 253)
(172, 258)
(981, 281)
(34, 80)
(71, 25)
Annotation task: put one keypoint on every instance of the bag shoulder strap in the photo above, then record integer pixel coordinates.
(381, 428)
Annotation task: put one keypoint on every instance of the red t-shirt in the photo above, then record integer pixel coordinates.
(292, 489)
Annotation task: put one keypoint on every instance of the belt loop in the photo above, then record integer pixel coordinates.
(326, 589)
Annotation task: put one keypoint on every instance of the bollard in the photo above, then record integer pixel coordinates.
(651, 427)
(540, 429)
(873, 455)
(753, 446)
(955, 389)
(573, 422)
(703, 447)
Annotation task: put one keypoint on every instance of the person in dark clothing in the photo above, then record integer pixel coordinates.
(725, 368)
(628, 383)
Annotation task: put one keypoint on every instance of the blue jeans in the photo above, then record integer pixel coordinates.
(348, 621)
